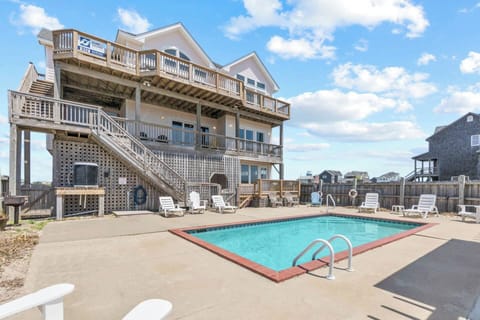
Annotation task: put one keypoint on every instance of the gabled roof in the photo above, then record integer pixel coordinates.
(442, 128)
(163, 30)
(390, 174)
(424, 156)
(253, 55)
(332, 172)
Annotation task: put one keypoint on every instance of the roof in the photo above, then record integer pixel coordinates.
(176, 26)
(332, 172)
(356, 174)
(390, 174)
(253, 55)
(442, 128)
(424, 156)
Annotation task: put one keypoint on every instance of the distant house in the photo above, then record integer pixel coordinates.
(306, 179)
(330, 176)
(453, 150)
(359, 175)
(388, 177)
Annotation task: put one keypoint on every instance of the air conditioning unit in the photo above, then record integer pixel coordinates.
(85, 174)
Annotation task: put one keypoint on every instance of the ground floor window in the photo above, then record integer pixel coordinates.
(251, 173)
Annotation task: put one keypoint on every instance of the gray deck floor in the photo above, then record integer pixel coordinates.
(117, 262)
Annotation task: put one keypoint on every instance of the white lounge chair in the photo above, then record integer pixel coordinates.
(315, 199)
(194, 203)
(167, 207)
(152, 309)
(370, 203)
(220, 205)
(469, 214)
(426, 204)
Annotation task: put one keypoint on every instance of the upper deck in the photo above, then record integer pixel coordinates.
(164, 71)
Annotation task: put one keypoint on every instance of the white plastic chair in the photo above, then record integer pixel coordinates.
(168, 206)
(195, 203)
(370, 203)
(426, 204)
(315, 199)
(153, 309)
(467, 214)
(220, 205)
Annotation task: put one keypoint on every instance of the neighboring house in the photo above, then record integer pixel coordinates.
(361, 176)
(306, 179)
(453, 150)
(330, 176)
(151, 110)
(388, 177)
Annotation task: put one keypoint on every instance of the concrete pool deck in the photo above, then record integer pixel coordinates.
(117, 262)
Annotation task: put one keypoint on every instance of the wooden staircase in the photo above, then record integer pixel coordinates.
(42, 87)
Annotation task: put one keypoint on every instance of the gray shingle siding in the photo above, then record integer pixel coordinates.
(452, 147)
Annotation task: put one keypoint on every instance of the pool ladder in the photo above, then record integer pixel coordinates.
(330, 197)
(327, 244)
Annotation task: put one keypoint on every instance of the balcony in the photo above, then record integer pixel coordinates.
(72, 44)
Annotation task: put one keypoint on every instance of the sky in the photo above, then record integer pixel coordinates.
(368, 80)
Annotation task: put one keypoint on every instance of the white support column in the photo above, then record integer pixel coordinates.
(199, 125)
(138, 105)
(26, 158)
(101, 205)
(59, 215)
(282, 170)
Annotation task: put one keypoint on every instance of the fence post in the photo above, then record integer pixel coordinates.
(402, 191)
(461, 189)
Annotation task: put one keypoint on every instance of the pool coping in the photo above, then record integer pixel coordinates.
(279, 276)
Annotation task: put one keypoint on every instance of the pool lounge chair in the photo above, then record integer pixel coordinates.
(275, 201)
(315, 199)
(194, 203)
(220, 205)
(168, 207)
(469, 214)
(426, 204)
(290, 199)
(370, 203)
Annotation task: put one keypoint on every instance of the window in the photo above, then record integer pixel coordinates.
(182, 133)
(261, 85)
(470, 118)
(260, 138)
(173, 52)
(245, 174)
(253, 174)
(263, 173)
(250, 97)
(183, 56)
(249, 136)
(240, 77)
(250, 82)
(475, 140)
(250, 173)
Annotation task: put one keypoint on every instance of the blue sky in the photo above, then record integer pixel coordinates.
(368, 80)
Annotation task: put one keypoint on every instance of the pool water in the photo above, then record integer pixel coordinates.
(275, 244)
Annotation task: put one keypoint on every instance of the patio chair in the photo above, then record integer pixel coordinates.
(468, 214)
(152, 309)
(426, 204)
(167, 206)
(290, 199)
(315, 199)
(275, 201)
(220, 205)
(370, 203)
(195, 203)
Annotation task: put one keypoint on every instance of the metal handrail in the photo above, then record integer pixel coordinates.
(327, 244)
(350, 249)
(329, 196)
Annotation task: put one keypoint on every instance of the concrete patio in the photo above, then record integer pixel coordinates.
(117, 262)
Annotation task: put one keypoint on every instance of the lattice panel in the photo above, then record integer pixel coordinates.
(117, 196)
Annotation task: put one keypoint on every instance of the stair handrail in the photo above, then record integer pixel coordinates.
(350, 249)
(148, 155)
(327, 244)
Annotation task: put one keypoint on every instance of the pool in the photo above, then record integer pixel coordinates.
(268, 247)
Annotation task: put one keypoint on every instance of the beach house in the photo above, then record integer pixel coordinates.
(147, 114)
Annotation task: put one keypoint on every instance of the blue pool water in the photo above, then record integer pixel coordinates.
(275, 244)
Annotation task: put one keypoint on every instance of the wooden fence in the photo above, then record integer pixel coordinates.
(449, 193)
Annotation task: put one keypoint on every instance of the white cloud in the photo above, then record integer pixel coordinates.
(299, 48)
(425, 59)
(366, 131)
(305, 147)
(391, 81)
(361, 45)
(471, 64)
(3, 119)
(35, 18)
(316, 21)
(133, 21)
(461, 101)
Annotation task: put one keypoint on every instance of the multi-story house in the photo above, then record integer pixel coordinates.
(150, 110)
(453, 150)
(330, 176)
(388, 177)
(361, 176)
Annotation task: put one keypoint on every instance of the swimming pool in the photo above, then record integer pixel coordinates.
(269, 246)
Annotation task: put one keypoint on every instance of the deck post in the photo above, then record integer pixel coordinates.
(26, 157)
(14, 165)
(282, 173)
(56, 94)
(199, 131)
(461, 189)
(138, 98)
(237, 130)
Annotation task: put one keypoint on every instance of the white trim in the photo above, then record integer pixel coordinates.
(475, 140)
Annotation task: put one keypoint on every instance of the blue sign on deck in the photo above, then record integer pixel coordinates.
(91, 46)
